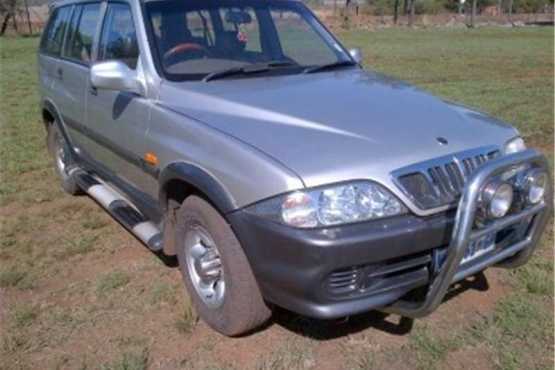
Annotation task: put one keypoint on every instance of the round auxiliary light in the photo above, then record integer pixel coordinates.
(498, 198)
(535, 184)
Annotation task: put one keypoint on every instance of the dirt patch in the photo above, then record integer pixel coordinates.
(468, 358)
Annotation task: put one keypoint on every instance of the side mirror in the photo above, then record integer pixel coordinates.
(115, 75)
(356, 54)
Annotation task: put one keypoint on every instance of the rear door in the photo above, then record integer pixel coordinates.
(118, 120)
(51, 80)
(73, 69)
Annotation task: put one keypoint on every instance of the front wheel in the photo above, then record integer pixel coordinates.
(216, 271)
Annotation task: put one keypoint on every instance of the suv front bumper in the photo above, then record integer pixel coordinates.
(340, 271)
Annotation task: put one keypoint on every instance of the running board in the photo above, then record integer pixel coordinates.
(120, 209)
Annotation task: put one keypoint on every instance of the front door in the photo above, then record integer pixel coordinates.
(117, 121)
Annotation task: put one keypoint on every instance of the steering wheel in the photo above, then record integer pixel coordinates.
(185, 48)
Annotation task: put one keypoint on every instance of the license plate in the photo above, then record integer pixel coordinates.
(479, 247)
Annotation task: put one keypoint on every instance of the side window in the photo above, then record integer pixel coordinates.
(54, 36)
(200, 27)
(119, 40)
(82, 31)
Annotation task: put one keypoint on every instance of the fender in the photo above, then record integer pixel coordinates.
(51, 108)
(198, 178)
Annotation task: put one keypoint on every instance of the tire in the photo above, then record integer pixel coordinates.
(62, 160)
(242, 307)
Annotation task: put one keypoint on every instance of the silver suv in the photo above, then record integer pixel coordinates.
(241, 136)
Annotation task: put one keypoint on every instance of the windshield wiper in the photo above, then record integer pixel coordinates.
(326, 67)
(247, 69)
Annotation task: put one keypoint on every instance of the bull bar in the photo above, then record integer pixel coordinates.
(463, 234)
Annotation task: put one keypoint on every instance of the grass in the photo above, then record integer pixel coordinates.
(24, 315)
(111, 281)
(517, 333)
(294, 355)
(537, 278)
(163, 292)
(95, 223)
(129, 361)
(429, 348)
(517, 316)
(187, 319)
(61, 257)
(80, 245)
(364, 361)
(11, 277)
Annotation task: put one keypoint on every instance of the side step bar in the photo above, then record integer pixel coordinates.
(120, 209)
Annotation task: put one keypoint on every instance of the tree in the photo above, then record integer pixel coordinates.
(27, 14)
(510, 6)
(473, 13)
(412, 11)
(9, 11)
(395, 11)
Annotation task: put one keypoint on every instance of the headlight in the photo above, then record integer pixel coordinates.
(331, 205)
(515, 145)
(497, 199)
(535, 184)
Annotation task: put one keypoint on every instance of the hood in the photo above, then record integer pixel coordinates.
(336, 126)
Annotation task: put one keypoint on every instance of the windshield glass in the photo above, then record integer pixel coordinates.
(198, 37)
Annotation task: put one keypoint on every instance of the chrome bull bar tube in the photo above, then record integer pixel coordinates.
(464, 233)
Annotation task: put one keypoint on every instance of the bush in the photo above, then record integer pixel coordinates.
(529, 6)
(429, 6)
(386, 7)
(383, 7)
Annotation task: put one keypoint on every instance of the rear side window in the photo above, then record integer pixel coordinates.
(82, 31)
(119, 40)
(54, 35)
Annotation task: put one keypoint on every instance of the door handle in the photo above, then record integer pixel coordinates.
(93, 90)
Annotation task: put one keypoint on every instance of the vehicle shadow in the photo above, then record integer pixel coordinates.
(392, 324)
(323, 330)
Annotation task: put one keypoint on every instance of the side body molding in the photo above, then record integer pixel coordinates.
(198, 178)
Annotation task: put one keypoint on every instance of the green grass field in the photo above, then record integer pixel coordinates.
(78, 292)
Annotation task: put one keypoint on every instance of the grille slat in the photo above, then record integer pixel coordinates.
(447, 176)
(447, 181)
(468, 167)
(440, 182)
(450, 179)
(456, 177)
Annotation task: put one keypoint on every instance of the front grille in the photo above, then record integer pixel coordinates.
(440, 182)
(449, 179)
(401, 272)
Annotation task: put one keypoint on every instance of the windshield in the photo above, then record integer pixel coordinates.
(194, 39)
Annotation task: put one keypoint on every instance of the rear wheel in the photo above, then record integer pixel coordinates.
(215, 270)
(62, 159)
